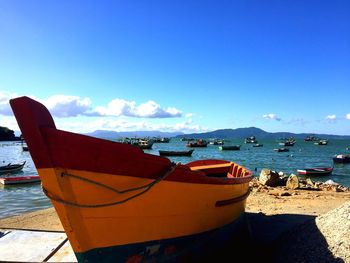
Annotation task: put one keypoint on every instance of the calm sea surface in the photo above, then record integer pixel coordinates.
(19, 199)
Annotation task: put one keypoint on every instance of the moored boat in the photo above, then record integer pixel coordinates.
(12, 168)
(19, 180)
(175, 153)
(145, 144)
(282, 149)
(341, 158)
(311, 138)
(251, 139)
(24, 145)
(321, 142)
(258, 145)
(198, 143)
(287, 141)
(119, 204)
(316, 171)
(216, 142)
(229, 147)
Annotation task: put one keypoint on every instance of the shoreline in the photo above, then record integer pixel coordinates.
(277, 218)
(262, 199)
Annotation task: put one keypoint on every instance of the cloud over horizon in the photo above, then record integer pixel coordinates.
(331, 118)
(67, 106)
(149, 109)
(271, 116)
(63, 106)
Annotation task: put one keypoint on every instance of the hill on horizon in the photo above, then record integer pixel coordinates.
(238, 133)
(258, 133)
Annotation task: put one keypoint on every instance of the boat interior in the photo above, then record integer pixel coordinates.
(219, 168)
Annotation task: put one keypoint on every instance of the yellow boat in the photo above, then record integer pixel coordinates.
(119, 204)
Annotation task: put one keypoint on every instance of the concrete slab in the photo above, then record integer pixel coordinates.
(35, 246)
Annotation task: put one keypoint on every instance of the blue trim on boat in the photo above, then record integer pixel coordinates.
(188, 248)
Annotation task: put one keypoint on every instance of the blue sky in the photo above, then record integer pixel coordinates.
(190, 66)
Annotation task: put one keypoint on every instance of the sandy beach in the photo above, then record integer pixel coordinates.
(273, 214)
(270, 202)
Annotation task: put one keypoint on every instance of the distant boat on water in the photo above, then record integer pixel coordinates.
(19, 180)
(321, 142)
(24, 145)
(216, 142)
(341, 158)
(311, 138)
(141, 143)
(11, 168)
(316, 171)
(176, 153)
(251, 139)
(287, 142)
(198, 143)
(229, 147)
(281, 149)
(161, 139)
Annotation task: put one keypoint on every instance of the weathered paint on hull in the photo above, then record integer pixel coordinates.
(194, 248)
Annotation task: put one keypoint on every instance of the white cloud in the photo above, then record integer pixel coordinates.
(331, 118)
(72, 106)
(67, 106)
(149, 109)
(271, 116)
(347, 116)
(124, 124)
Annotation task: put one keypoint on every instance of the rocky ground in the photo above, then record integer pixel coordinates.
(297, 220)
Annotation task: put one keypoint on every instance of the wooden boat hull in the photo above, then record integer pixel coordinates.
(162, 214)
(192, 248)
(117, 202)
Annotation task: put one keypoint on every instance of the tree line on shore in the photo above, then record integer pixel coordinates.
(8, 135)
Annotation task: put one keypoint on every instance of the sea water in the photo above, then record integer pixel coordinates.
(19, 199)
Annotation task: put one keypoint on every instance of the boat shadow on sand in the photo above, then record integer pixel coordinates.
(280, 238)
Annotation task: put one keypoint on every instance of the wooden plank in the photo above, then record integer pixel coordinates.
(29, 246)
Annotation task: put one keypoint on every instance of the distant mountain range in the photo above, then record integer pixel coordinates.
(222, 134)
(259, 134)
(115, 135)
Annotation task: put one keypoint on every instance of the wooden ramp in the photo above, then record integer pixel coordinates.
(17, 245)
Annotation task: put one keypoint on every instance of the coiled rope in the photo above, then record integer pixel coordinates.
(146, 188)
